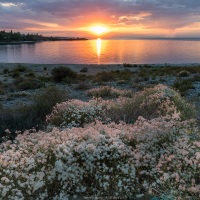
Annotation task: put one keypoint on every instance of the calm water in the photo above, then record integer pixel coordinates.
(103, 51)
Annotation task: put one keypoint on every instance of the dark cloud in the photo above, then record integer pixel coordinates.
(165, 14)
(20, 25)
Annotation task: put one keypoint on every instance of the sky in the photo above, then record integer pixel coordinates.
(120, 18)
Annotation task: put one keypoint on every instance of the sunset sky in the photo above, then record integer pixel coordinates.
(118, 18)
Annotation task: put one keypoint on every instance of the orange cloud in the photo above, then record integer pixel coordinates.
(123, 18)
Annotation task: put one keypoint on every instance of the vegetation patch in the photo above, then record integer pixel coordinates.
(82, 86)
(6, 71)
(2, 88)
(84, 69)
(113, 76)
(20, 68)
(109, 92)
(183, 73)
(30, 74)
(183, 85)
(45, 78)
(76, 113)
(28, 83)
(62, 73)
(28, 116)
(103, 160)
(15, 74)
(150, 103)
(167, 70)
(130, 65)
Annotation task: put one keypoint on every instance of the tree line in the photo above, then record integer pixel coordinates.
(17, 36)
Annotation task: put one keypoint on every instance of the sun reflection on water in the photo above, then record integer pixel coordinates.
(98, 48)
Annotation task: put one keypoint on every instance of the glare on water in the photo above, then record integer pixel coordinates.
(102, 51)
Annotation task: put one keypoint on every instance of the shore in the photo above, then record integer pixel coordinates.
(91, 68)
(17, 42)
(133, 77)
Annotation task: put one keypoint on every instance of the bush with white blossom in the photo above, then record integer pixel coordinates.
(151, 103)
(149, 158)
(103, 160)
(76, 113)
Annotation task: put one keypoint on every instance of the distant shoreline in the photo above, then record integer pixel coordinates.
(17, 42)
(33, 42)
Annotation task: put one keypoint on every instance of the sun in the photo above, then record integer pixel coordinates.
(99, 30)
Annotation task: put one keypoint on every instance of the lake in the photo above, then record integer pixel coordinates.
(103, 52)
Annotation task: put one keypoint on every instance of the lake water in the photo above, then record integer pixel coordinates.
(103, 52)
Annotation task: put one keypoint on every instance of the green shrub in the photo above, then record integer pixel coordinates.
(61, 73)
(69, 80)
(183, 85)
(82, 86)
(113, 76)
(183, 73)
(30, 74)
(138, 79)
(108, 92)
(84, 69)
(6, 71)
(28, 83)
(147, 66)
(45, 101)
(33, 115)
(149, 70)
(20, 68)
(45, 78)
(15, 74)
(104, 77)
(84, 77)
(127, 65)
(143, 73)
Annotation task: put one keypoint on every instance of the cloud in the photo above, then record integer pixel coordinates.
(150, 14)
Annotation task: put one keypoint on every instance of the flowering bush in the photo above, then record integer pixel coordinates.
(106, 91)
(75, 113)
(159, 156)
(103, 160)
(161, 146)
(151, 103)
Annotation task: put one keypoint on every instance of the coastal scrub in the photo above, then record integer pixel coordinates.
(103, 160)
